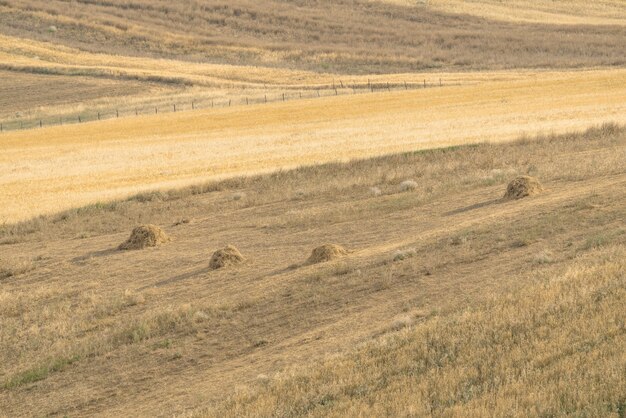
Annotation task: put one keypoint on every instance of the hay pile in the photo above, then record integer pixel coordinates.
(523, 186)
(225, 257)
(326, 252)
(144, 236)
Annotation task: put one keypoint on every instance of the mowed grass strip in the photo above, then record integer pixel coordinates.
(552, 348)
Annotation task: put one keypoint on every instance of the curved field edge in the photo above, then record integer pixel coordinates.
(113, 159)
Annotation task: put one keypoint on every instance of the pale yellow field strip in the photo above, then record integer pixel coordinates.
(40, 57)
(51, 169)
(574, 12)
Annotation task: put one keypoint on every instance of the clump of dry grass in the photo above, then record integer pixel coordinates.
(144, 236)
(408, 185)
(523, 186)
(228, 256)
(10, 268)
(326, 252)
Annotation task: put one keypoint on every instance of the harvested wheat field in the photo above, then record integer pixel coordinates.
(488, 284)
(64, 167)
(329, 208)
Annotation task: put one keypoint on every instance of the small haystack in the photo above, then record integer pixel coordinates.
(225, 257)
(523, 186)
(326, 252)
(144, 236)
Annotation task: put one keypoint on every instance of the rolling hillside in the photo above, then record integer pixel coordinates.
(88, 330)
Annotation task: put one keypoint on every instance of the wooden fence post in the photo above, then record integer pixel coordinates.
(1, 128)
(424, 83)
(406, 87)
(229, 102)
(117, 113)
(174, 107)
(156, 110)
(136, 113)
(98, 115)
(40, 123)
(79, 121)
(336, 92)
(193, 105)
(246, 100)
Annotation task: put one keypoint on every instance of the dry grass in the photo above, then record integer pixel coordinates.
(325, 253)
(144, 236)
(159, 329)
(523, 186)
(337, 36)
(226, 257)
(553, 348)
(565, 12)
(53, 169)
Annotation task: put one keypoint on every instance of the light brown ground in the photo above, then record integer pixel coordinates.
(155, 332)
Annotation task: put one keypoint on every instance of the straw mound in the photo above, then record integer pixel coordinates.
(523, 186)
(144, 236)
(225, 257)
(326, 252)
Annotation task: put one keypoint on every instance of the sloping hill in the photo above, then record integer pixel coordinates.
(88, 330)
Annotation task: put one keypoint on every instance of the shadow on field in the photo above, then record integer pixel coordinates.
(473, 207)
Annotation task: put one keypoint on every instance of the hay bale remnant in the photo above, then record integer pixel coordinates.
(228, 256)
(523, 186)
(144, 236)
(326, 252)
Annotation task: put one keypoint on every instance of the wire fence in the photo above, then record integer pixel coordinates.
(335, 89)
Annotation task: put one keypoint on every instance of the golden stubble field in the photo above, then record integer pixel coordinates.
(88, 330)
(52, 169)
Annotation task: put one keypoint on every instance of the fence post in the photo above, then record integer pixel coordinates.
(246, 100)
(156, 110)
(336, 92)
(424, 83)
(40, 123)
(117, 113)
(229, 102)
(388, 88)
(98, 115)
(283, 97)
(174, 107)
(406, 87)
(193, 106)
(318, 93)
(79, 121)
(341, 82)
(136, 113)
(1, 128)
